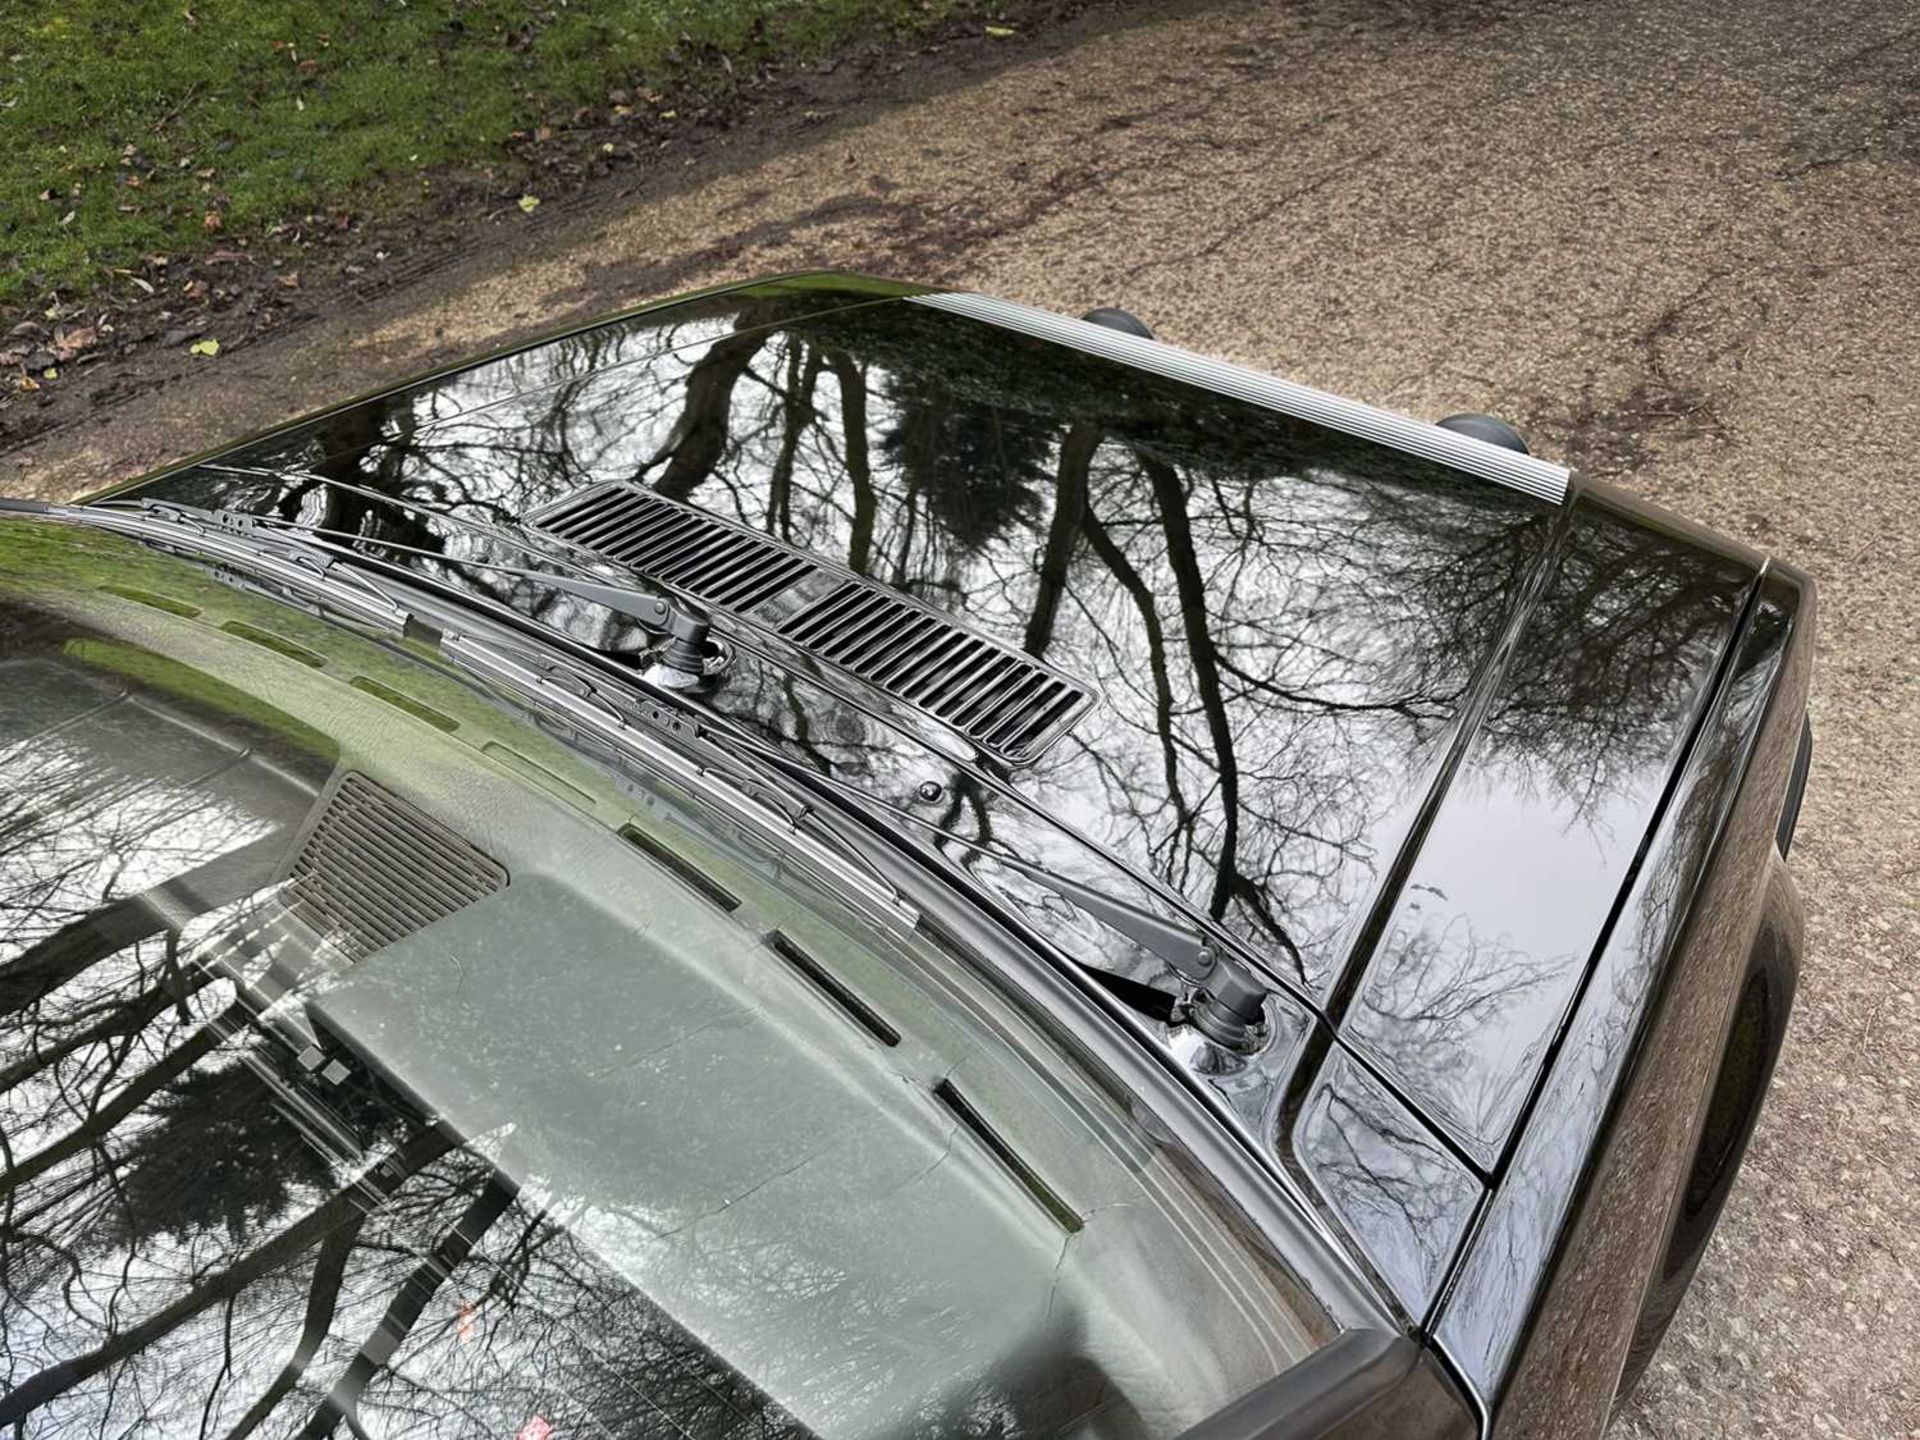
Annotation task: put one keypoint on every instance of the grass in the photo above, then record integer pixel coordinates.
(135, 127)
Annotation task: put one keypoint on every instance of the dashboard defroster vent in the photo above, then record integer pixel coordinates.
(376, 868)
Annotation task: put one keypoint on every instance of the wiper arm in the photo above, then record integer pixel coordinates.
(1228, 1004)
(1229, 1001)
(586, 581)
(651, 610)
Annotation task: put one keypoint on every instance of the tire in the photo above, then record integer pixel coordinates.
(1746, 1067)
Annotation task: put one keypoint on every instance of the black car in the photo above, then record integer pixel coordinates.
(833, 859)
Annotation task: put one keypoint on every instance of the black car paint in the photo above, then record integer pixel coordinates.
(1488, 1059)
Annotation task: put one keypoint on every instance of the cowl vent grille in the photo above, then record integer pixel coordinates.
(689, 549)
(375, 869)
(1010, 706)
(1001, 700)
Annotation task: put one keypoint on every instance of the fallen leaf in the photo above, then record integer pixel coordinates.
(1002, 32)
(529, 203)
(141, 283)
(210, 221)
(50, 373)
(290, 280)
(69, 343)
(209, 346)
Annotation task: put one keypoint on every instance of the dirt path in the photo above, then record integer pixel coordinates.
(1674, 241)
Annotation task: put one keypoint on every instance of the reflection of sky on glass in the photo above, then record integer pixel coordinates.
(109, 798)
(115, 799)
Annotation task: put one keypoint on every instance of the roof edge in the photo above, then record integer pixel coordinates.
(1526, 473)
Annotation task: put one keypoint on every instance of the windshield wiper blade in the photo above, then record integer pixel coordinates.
(681, 663)
(516, 535)
(651, 610)
(282, 558)
(1228, 1003)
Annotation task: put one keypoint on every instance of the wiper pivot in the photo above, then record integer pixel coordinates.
(1229, 1002)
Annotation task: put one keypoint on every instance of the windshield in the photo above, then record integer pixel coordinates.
(374, 1063)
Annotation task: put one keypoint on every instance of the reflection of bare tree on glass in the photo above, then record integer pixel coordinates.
(1387, 1177)
(1445, 983)
(1283, 624)
(972, 472)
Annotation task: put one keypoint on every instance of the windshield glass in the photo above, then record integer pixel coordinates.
(374, 1063)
